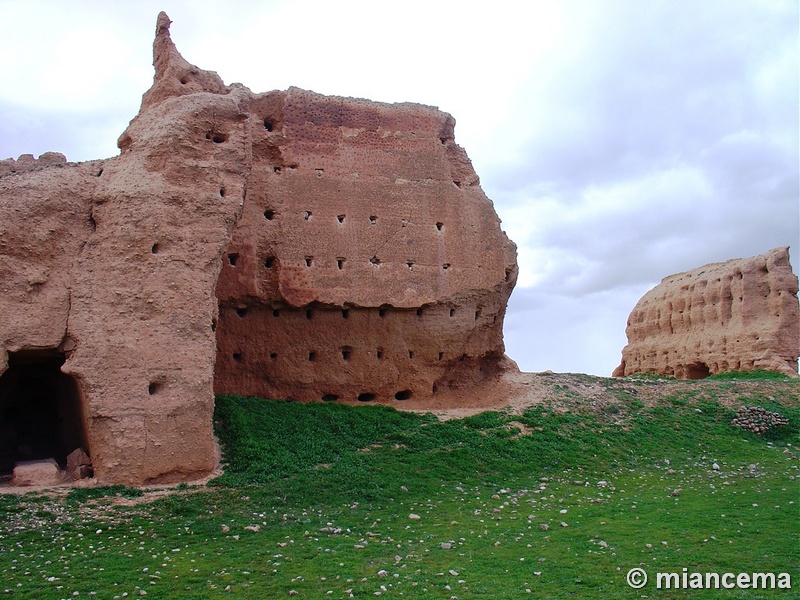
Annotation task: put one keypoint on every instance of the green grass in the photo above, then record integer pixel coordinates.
(650, 376)
(320, 498)
(757, 375)
(79, 495)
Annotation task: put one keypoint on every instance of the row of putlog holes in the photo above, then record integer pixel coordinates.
(375, 261)
(308, 260)
(369, 396)
(346, 352)
(155, 387)
(276, 312)
(270, 215)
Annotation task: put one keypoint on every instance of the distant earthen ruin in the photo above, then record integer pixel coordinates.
(283, 244)
(739, 315)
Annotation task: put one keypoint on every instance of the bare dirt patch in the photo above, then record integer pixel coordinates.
(515, 392)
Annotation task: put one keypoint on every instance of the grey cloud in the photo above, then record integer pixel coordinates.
(656, 90)
(750, 165)
(649, 84)
(689, 118)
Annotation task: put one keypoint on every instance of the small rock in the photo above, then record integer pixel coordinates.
(79, 464)
(36, 472)
(544, 526)
(414, 517)
(445, 545)
(564, 524)
(329, 529)
(715, 466)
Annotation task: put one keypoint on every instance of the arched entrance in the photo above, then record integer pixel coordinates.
(41, 413)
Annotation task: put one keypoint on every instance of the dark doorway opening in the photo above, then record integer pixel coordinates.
(697, 371)
(41, 413)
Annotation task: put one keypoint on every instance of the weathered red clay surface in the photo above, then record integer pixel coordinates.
(739, 315)
(283, 244)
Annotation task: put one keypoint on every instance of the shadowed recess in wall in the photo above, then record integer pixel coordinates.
(41, 413)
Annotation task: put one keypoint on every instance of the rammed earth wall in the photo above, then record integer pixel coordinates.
(739, 315)
(283, 244)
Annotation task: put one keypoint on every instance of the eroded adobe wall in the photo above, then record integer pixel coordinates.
(367, 264)
(27, 162)
(312, 247)
(112, 265)
(739, 315)
(143, 311)
(44, 222)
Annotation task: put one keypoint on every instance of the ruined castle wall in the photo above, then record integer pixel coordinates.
(27, 162)
(143, 311)
(739, 315)
(111, 265)
(367, 262)
(284, 244)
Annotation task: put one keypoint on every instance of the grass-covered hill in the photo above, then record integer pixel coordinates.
(559, 499)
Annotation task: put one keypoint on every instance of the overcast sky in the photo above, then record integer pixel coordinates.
(620, 140)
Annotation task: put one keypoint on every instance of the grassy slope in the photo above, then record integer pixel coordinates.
(327, 492)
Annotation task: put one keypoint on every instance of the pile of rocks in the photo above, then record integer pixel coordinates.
(46, 472)
(79, 465)
(757, 419)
